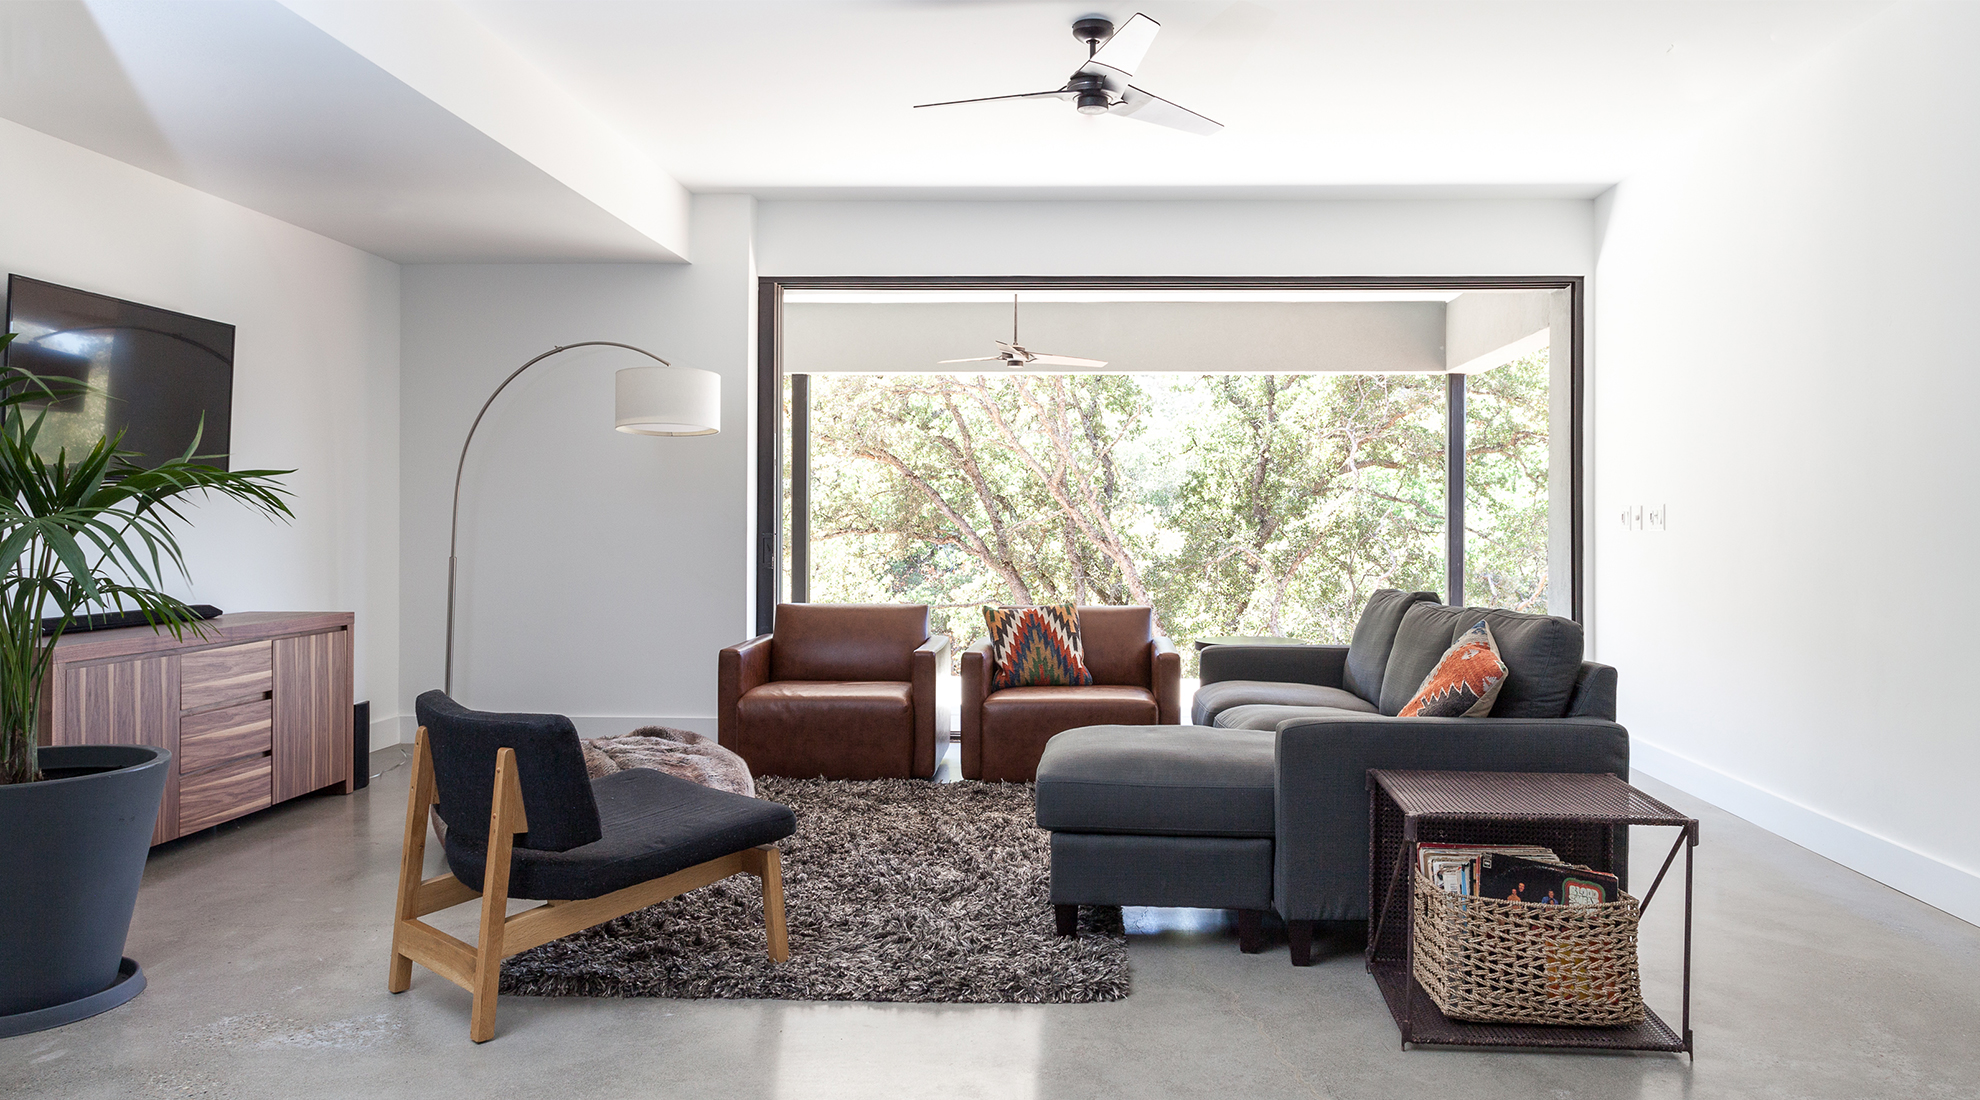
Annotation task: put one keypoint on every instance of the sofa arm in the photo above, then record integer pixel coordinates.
(975, 689)
(1320, 859)
(931, 722)
(1165, 681)
(738, 669)
(1325, 665)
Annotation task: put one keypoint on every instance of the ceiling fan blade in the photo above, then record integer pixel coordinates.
(1065, 361)
(1122, 54)
(1058, 93)
(978, 359)
(1149, 107)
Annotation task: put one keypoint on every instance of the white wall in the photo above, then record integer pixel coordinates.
(1786, 360)
(316, 374)
(599, 572)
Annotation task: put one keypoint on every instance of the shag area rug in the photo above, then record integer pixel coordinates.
(894, 889)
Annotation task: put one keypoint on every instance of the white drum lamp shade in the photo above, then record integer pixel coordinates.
(667, 401)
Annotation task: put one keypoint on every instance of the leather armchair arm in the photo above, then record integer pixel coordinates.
(931, 722)
(738, 669)
(1165, 678)
(1320, 856)
(1325, 665)
(975, 689)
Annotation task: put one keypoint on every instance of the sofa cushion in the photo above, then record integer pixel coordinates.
(844, 730)
(1374, 637)
(1542, 655)
(1158, 780)
(653, 824)
(1017, 724)
(1035, 647)
(1265, 716)
(1118, 642)
(1218, 696)
(846, 641)
(1465, 683)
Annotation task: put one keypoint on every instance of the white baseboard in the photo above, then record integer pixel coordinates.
(1930, 880)
(606, 725)
(404, 730)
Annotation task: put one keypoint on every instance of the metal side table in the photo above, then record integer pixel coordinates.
(1575, 815)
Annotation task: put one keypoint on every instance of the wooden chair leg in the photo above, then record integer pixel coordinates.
(412, 861)
(1249, 940)
(773, 904)
(505, 820)
(1066, 919)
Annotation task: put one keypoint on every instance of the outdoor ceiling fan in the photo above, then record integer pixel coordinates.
(1100, 87)
(1017, 357)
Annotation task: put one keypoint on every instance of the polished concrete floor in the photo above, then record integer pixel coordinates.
(265, 944)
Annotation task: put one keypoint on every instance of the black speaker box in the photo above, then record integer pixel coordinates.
(361, 745)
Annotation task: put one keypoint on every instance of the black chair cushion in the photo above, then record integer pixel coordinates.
(654, 824)
(556, 793)
(1374, 637)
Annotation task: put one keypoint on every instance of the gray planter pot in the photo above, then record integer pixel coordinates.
(75, 848)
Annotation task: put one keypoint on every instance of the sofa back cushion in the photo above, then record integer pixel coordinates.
(1375, 637)
(847, 641)
(1117, 643)
(1542, 654)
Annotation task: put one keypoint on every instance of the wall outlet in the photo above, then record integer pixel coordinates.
(1657, 518)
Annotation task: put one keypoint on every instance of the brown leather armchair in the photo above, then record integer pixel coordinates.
(1137, 681)
(843, 691)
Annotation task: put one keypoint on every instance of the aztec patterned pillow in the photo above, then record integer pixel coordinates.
(1035, 647)
(1465, 682)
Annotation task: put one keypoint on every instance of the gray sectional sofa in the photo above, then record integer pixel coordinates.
(1263, 802)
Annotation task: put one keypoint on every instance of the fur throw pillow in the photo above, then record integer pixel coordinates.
(677, 752)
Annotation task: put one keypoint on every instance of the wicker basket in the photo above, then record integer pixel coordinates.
(1493, 961)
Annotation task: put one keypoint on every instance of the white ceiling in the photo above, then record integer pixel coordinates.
(427, 150)
(815, 97)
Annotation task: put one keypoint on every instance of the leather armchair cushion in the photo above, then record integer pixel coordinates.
(1117, 643)
(855, 729)
(827, 641)
(1213, 699)
(1019, 721)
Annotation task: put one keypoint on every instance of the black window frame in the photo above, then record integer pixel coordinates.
(770, 392)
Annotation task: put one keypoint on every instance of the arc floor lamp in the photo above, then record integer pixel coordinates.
(662, 400)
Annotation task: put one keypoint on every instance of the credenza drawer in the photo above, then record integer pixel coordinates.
(225, 792)
(217, 736)
(222, 675)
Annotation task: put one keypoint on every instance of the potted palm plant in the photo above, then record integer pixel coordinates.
(94, 532)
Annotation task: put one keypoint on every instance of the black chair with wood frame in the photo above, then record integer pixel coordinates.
(523, 821)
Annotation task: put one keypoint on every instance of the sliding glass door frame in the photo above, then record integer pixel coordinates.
(770, 395)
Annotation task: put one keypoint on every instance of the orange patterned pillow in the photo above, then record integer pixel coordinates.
(1465, 682)
(1035, 647)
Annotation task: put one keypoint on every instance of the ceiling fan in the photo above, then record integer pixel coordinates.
(1100, 87)
(1016, 356)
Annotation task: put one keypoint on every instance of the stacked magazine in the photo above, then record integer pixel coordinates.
(1513, 872)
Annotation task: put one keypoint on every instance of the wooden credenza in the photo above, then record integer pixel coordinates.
(258, 711)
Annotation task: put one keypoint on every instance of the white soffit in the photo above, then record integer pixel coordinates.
(254, 104)
(862, 296)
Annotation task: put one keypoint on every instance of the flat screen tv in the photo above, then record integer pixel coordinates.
(158, 376)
